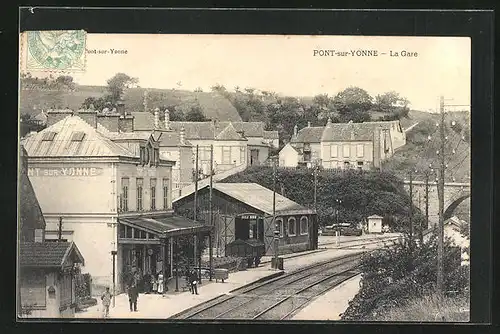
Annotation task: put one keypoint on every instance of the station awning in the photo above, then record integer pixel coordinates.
(166, 226)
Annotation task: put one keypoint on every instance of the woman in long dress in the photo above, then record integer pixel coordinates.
(154, 283)
(160, 283)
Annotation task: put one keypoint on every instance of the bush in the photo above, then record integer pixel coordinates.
(83, 283)
(392, 277)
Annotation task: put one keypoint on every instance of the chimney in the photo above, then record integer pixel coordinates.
(126, 123)
(295, 130)
(120, 107)
(54, 116)
(167, 119)
(109, 120)
(157, 118)
(89, 116)
(308, 124)
(376, 147)
(182, 136)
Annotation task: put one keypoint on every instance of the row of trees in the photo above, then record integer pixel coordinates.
(119, 83)
(62, 82)
(283, 113)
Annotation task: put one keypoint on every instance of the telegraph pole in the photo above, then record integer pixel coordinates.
(315, 186)
(276, 231)
(196, 186)
(211, 250)
(59, 236)
(411, 208)
(440, 188)
(426, 205)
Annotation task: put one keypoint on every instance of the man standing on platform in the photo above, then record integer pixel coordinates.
(133, 294)
(193, 279)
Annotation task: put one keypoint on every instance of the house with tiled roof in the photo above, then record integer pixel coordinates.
(47, 279)
(346, 145)
(45, 269)
(92, 175)
(234, 143)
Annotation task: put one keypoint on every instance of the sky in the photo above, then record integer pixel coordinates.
(286, 64)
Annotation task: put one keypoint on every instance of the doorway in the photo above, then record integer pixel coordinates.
(254, 157)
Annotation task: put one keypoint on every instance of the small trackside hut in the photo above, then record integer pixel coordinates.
(244, 211)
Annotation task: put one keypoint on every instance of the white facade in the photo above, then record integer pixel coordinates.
(88, 203)
(288, 156)
(374, 224)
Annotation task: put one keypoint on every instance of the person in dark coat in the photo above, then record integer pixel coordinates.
(133, 294)
(193, 280)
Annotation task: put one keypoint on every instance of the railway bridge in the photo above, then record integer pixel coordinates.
(454, 194)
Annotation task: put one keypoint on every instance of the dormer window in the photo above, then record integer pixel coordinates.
(77, 136)
(49, 136)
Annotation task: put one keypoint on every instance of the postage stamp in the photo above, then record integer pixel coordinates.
(62, 50)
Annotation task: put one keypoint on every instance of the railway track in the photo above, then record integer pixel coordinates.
(279, 298)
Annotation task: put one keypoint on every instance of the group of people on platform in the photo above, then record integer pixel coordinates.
(148, 284)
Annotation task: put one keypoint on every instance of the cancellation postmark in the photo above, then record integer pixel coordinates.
(58, 51)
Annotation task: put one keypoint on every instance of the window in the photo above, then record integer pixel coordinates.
(33, 285)
(334, 151)
(66, 289)
(347, 165)
(360, 150)
(129, 232)
(304, 225)
(285, 229)
(142, 151)
(226, 154)
(153, 193)
(166, 205)
(38, 235)
(291, 226)
(49, 136)
(307, 156)
(279, 226)
(139, 186)
(347, 151)
(360, 165)
(77, 136)
(124, 195)
(242, 154)
(307, 147)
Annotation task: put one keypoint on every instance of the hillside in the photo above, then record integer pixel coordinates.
(419, 152)
(213, 105)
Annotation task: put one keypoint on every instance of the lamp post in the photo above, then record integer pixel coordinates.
(113, 254)
(337, 232)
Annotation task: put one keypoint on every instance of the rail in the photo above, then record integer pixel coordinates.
(241, 297)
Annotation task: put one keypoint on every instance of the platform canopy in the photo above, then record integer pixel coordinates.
(166, 226)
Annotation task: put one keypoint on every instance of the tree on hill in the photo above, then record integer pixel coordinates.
(97, 103)
(195, 114)
(117, 85)
(353, 104)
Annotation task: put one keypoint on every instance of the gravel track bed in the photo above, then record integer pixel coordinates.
(189, 313)
(250, 310)
(324, 286)
(287, 306)
(216, 310)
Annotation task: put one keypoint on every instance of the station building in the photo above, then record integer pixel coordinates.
(243, 211)
(112, 199)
